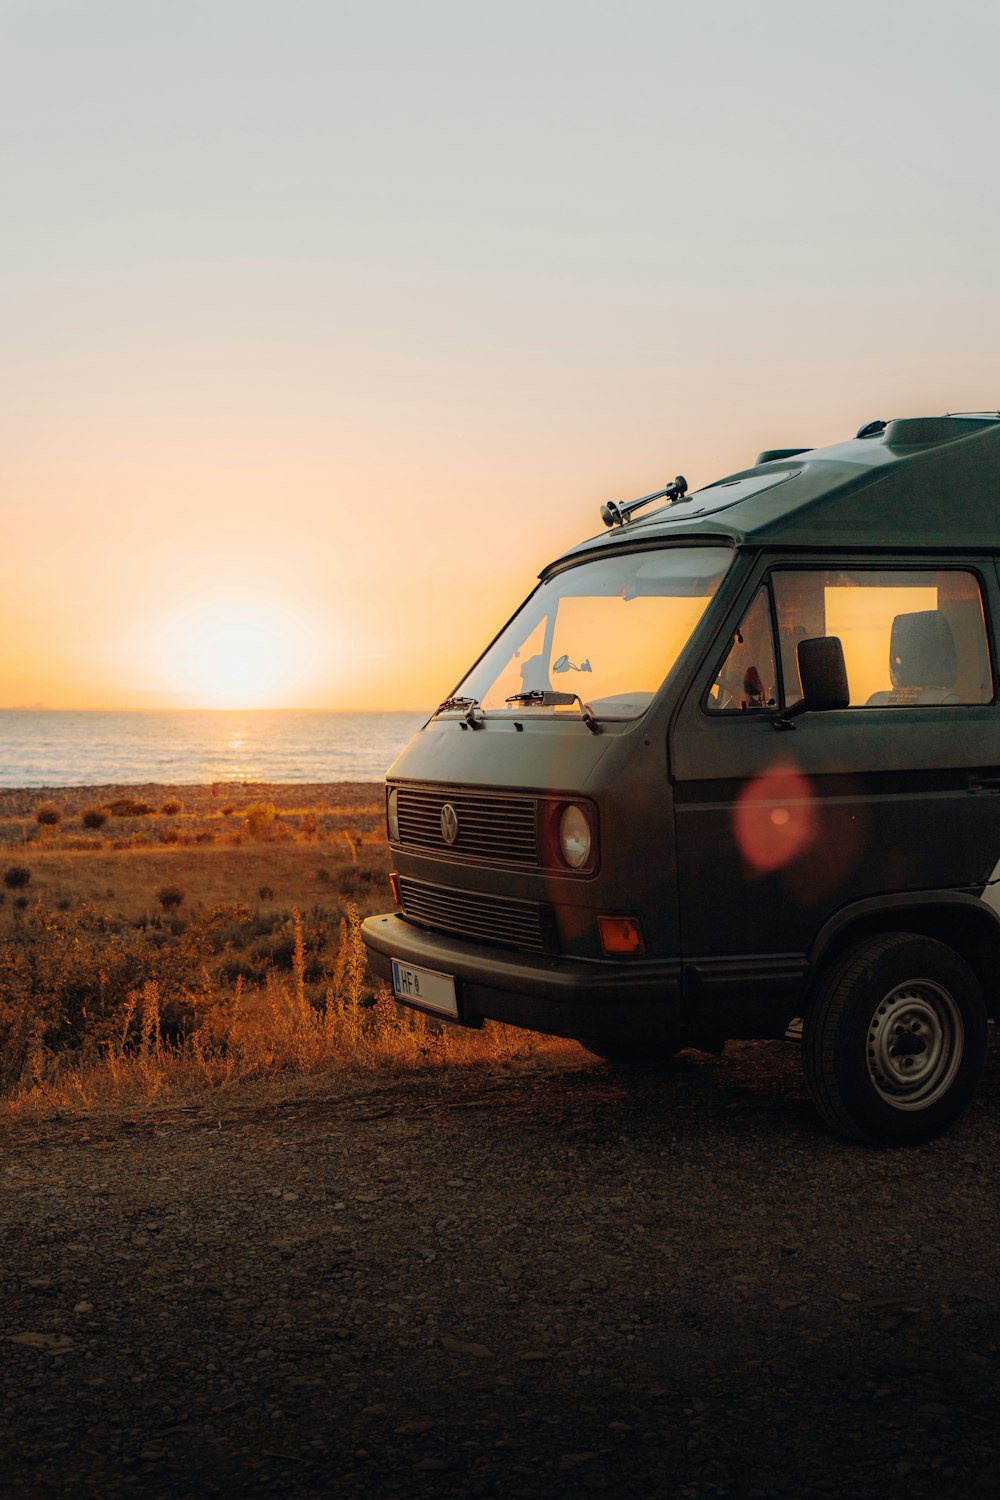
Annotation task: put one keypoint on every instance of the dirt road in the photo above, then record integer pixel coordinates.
(551, 1279)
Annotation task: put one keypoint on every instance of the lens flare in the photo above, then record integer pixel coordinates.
(774, 820)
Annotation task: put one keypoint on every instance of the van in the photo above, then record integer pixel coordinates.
(733, 771)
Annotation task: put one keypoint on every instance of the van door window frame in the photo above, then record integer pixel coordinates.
(741, 709)
(905, 567)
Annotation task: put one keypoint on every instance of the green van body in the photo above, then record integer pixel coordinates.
(776, 863)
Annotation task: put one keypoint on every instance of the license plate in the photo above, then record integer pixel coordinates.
(424, 987)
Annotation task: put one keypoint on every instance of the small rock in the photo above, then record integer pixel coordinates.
(56, 1343)
(459, 1346)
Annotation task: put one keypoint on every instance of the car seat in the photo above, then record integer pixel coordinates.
(923, 662)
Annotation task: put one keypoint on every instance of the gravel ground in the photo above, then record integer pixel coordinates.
(547, 1279)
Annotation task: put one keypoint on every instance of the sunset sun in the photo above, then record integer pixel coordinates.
(238, 656)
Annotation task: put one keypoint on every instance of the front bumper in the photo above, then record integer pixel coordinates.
(559, 996)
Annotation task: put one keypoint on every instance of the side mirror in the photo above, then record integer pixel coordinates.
(823, 674)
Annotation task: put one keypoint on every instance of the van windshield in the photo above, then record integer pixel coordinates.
(608, 631)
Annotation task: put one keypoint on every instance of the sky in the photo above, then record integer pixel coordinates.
(324, 326)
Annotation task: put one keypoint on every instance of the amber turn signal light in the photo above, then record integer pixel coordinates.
(621, 934)
(394, 882)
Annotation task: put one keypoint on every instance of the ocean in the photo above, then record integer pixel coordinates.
(62, 748)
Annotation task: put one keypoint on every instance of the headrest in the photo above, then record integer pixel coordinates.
(922, 651)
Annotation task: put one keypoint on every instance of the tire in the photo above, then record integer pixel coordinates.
(894, 1040)
(624, 1054)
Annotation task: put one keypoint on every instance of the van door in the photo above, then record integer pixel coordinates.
(777, 829)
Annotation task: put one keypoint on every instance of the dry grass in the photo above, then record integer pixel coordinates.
(111, 995)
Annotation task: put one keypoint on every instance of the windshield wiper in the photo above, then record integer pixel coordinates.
(469, 704)
(547, 698)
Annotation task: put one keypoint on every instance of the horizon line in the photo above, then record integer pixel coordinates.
(50, 708)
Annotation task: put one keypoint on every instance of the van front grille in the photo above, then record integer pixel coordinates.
(501, 830)
(485, 919)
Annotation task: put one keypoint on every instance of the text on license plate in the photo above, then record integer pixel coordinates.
(425, 988)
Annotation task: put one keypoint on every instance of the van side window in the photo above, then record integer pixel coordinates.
(748, 679)
(910, 638)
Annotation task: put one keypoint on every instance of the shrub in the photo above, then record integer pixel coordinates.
(265, 893)
(16, 876)
(130, 807)
(259, 818)
(171, 807)
(93, 817)
(20, 903)
(238, 967)
(228, 810)
(48, 815)
(170, 897)
(357, 883)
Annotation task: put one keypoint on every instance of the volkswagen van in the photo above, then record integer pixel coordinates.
(733, 771)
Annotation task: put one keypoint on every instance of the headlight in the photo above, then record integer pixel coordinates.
(574, 836)
(392, 814)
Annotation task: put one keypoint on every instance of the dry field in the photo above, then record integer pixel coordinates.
(180, 938)
(321, 844)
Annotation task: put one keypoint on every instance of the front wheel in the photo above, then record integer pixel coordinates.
(895, 1039)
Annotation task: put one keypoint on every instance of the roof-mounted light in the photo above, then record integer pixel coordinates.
(613, 514)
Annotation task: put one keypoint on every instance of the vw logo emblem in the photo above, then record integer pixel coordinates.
(449, 823)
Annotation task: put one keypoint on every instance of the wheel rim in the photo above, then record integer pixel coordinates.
(915, 1043)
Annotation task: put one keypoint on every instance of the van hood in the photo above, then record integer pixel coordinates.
(544, 754)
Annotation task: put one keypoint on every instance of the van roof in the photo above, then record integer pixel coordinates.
(924, 482)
